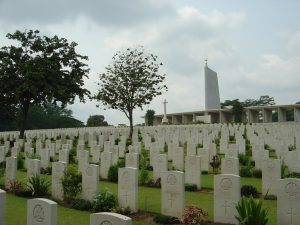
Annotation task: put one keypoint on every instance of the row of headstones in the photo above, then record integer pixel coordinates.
(44, 212)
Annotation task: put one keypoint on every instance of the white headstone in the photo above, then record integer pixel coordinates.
(271, 173)
(288, 201)
(132, 160)
(63, 155)
(2, 207)
(41, 211)
(58, 170)
(178, 158)
(227, 194)
(90, 181)
(128, 188)
(106, 162)
(11, 170)
(33, 167)
(172, 193)
(107, 218)
(230, 165)
(193, 170)
(160, 165)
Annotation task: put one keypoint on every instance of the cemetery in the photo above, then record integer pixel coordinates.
(87, 175)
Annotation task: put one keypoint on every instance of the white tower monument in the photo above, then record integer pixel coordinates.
(212, 96)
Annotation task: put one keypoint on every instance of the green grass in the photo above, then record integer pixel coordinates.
(149, 200)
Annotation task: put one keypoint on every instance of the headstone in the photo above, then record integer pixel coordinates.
(90, 181)
(178, 158)
(160, 165)
(41, 211)
(230, 165)
(63, 155)
(83, 159)
(226, 195)
(33, 167)
(132, 160)
(107, 218)
(172, 193)
(271, 173)
(204, 154)
(288, 201)
(45, 158)
(193, 170)
(106, 162)
(11, 170)
(2, 207)
(128, 188)
(95, 152)
(58, 170)
(2, 154)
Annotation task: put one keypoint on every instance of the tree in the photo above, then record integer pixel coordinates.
(262, 101)
(39, 70)
(237, 111)
(150, 117)
(96, 121)
(130, 82)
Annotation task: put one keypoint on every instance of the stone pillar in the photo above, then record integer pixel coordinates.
(267, 115)
(281, 115)
(296, 114)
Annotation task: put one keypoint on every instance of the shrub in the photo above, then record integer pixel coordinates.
(105, 201)
(294, 175)
(257, 173)
(152, 183)
(112, 174)
(121, 210)
(20, 162)
(244, 159)
(250, 212)
(81, 204)
(15, 186)
(72, 155)
(192, 215)
(162, 219)
(270, 197)
(144, 176)
(204, 172)
(38, 186)
(47, 170)
(245, 171)
(191, 187)
(249, 190)
(71, 183)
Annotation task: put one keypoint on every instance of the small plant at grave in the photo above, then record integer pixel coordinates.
(112, 174)
(244, 159)
(38, 186)
(257, 173)
(204, 172)
(15, 186)
(250, 212)
(192, 215)
(292, 147)
(128, 142)
(245, 171)
(155, 184)
(215, 163)
(81, 204)
(165, 147)
(293, 175)
(126, 211)
(144, 176)
(71, 183)
(72, 155)
(249, 190)
(270, 197)
(32, 156)
(20, 162)
(117, 141)
(105, 201)
(47, 170)
(162, 219)
(191, 187)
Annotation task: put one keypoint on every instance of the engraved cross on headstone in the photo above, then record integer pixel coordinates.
(291, 213)
(225, 207)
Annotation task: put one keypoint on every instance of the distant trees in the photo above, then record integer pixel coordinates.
(149, 117)
(96, 121)
(48, 116)
(39, 70)
(130, 82)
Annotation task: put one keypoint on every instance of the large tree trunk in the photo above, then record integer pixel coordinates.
(131, 125)
(25, 108)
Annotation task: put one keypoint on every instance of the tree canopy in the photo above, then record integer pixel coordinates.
(131, 81)
(39, 70)
(150, 117)
(96, 121)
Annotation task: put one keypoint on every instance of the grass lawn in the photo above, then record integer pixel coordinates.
(149, 200)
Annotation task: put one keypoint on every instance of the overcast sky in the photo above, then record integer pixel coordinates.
(254, 46)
